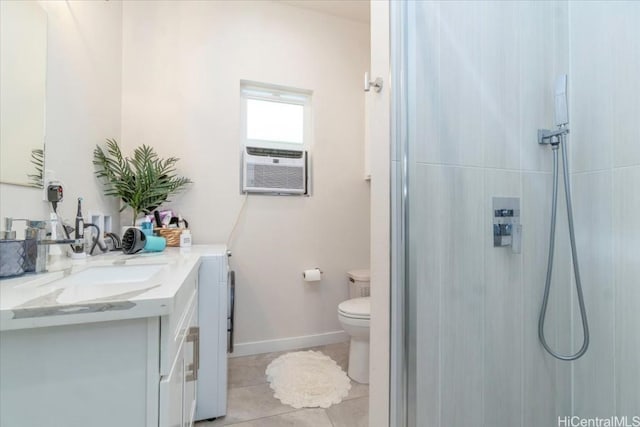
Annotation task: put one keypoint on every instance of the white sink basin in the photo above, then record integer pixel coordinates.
(107, 281)
(113, 274)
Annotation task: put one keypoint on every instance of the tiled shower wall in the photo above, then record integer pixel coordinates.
(479, 84)
(605, 141)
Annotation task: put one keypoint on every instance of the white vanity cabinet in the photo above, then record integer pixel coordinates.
(139, 372)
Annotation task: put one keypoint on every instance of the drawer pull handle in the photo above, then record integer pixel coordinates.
(194, 336)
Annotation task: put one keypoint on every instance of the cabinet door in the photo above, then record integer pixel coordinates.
(172, 394)
(192, 364)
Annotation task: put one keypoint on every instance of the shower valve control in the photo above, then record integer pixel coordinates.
(507, 230)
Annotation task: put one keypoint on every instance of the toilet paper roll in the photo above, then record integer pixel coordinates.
(312, 275)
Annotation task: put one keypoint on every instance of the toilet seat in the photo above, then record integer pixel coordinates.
(356, 308)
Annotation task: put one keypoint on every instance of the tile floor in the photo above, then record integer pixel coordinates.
(251, 402)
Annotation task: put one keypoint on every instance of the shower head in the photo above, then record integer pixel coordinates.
(562, 105)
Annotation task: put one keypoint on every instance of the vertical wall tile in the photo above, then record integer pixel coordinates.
(429, 230)
(460, 103)
(590, 86)
(424, 74)
(451, 212)
(536, 81)
(559, 18)
(594, 372)
(626, 84)
(499, 84)
(626, 237)
(543, 378)
(503, 313)
(562, 295)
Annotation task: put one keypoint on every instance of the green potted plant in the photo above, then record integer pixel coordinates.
(143, 182)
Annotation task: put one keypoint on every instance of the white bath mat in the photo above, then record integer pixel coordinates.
(307, 379)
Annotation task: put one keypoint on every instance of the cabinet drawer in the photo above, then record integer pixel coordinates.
(174, 326)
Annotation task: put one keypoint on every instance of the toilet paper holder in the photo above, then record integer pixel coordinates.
(304, 273)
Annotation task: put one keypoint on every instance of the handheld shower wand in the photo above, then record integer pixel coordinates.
(558, 138)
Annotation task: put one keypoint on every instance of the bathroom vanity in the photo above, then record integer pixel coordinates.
(113, 341)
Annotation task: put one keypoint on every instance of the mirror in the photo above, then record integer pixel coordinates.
(23, 62)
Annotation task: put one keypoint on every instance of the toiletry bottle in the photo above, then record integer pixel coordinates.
(185, 238)
(53, 221)
(147, 228)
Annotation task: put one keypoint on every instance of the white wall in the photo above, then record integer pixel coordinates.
(82, 105)
(182, 66)
(605, 143)
(380, 155)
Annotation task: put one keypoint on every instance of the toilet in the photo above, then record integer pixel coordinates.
(354, 315)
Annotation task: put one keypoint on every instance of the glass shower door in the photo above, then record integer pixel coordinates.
(473, 81)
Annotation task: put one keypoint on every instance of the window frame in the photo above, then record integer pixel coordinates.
(274, 93)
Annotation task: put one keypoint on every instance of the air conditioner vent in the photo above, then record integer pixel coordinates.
(274, 171)
(275, 177)
(270, 152)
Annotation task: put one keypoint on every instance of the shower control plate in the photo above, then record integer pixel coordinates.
(506, 223)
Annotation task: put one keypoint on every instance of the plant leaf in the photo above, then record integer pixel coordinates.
(143, 181)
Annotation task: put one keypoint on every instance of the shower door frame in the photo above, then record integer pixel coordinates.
(401, 402)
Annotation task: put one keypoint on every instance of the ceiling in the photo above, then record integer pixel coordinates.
(358, 10)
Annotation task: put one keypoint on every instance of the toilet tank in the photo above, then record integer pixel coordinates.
(359, 283)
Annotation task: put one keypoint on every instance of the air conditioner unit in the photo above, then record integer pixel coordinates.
(266, 170)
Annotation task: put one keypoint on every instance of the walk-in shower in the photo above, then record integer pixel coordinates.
(558, 138)
(489, 325)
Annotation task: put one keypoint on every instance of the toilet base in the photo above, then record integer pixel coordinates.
(359, 360)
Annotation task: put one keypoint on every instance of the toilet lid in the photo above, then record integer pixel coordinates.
(357, 308)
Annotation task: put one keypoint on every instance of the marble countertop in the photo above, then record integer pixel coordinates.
(60, 297)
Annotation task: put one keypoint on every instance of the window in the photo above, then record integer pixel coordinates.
(275, 117)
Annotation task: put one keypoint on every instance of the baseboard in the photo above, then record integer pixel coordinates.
(286, 344)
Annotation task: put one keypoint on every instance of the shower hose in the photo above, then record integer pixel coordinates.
(574, 255)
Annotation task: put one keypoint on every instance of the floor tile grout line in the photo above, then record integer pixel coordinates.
(268, 416)
(346, 398)
(293, 410)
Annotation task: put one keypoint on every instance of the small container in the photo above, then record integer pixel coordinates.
(171, 234)
(12, 258)
(185, 239)
(147, 228)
